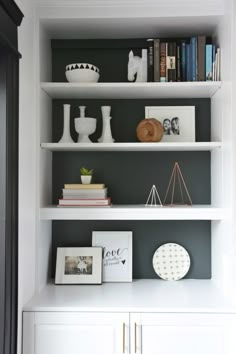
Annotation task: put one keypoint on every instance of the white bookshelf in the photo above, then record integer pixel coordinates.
(133, 212)
(198, 146)
(134, 90)
(126, 21)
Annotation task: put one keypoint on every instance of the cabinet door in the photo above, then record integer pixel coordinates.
(75, 333)
(182, 334)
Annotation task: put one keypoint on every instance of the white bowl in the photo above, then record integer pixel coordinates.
(82, 72)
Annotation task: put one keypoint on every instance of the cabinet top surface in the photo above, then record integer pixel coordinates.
(138, 296)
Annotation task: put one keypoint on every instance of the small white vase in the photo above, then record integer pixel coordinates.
(86, 179)
(106, 136)
(66, 137)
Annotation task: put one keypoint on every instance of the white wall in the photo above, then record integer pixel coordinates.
(27, 205)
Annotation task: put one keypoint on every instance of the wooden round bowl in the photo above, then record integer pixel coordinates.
(150, 130)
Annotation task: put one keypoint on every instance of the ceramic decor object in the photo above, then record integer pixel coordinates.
(137, 66)
(171, 261)
(84, 126)
(66, 137)
(106, 136)
(82, 72)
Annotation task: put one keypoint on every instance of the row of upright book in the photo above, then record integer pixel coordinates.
(77, 195)
(192, 59)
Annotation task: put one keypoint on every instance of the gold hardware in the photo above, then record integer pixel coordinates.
(123, 337)
(135, 337)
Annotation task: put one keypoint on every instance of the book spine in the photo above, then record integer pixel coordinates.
(188, 66)
(183, 61)
(193, 46)
(171, 62)
(150, 60)
(213, 62)
(208, 62)
(178, 67)
(201, 54)
(156, 60)
(163, 62)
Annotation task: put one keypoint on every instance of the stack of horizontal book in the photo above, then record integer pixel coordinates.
(84, 195)
(183, 59)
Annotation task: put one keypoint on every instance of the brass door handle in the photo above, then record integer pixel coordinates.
(123, 343)
(135, 337)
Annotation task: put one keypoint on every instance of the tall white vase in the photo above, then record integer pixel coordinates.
(106, 136)
(66, 137)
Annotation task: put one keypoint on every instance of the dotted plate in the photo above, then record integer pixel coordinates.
(171, 261)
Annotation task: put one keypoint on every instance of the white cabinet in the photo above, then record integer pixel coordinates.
(182, 334)
(75, 333)
(134, 333)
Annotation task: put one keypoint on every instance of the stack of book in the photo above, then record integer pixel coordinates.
(193, 59)
(84, 195)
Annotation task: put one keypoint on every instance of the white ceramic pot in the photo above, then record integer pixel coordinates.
(86, 179)
(85, 127)
(82, 72)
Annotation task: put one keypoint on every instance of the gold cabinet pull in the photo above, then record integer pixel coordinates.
(135, 337)
(123, 344)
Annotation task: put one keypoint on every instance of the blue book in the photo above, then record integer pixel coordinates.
(183, 61)
(193, 55)
(188, 64)
(209, 62)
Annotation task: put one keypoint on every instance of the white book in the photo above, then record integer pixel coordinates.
(84, 191)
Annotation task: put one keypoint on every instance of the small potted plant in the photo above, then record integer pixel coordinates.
(86, 175)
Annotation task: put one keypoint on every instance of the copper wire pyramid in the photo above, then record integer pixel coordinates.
(177, 177)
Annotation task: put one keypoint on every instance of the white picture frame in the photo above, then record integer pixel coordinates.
(79, 265)
(178, 122)
(117, 254)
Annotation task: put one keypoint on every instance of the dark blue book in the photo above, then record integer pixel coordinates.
(183, 61)
(188, 63)
(193, 48)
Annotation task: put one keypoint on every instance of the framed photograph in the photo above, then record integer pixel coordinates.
(117, 254)
(178, 122)
(79, 265)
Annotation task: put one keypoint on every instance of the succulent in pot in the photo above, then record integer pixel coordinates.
(86, 175)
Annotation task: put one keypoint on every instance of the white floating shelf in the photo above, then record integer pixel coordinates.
(64, 90)
(201, 146)
(133, 212)
(151, 295)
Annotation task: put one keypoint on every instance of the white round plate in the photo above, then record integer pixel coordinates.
(171, 261)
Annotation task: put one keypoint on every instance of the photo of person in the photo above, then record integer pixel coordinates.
(78, 265)
(167, 126)
(175, 126)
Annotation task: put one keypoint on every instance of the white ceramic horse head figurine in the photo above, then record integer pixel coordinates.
(137, 65)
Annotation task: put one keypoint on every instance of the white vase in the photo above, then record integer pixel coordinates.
(106, 136)
(66, 137)
(86, 179)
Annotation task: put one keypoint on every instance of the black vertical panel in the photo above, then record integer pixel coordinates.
(10, 18)
(9, 199)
